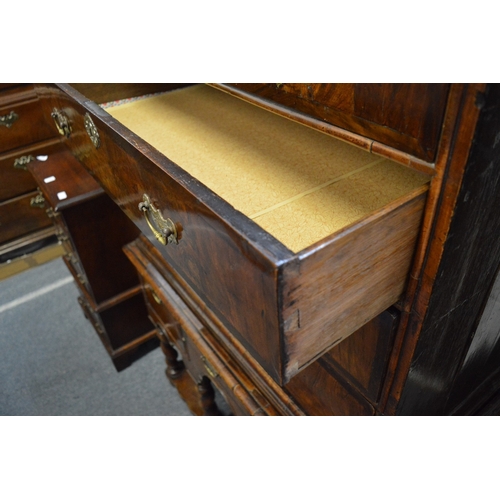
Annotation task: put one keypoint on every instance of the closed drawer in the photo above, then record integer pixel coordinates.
(15, 179)
(19, 218)
(174, 319)
(317, 246)
(404, 116)
(22, 120)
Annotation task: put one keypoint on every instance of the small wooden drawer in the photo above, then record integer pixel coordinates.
(201, 356)
(291, 238)
(18, 217)
(22, 120)
(15, 179)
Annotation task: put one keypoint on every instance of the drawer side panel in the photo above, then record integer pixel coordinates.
(360, 274)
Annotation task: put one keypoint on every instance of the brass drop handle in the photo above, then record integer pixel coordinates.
(9, 119)
(62, 123)
(165, 232)
(23, 161)
(38, 201)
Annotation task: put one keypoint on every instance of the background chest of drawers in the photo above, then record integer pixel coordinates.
(25, 132)
(378, 316)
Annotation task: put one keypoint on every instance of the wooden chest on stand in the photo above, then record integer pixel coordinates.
(293, 236)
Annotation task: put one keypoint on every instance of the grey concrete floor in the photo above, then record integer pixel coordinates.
(53, 363)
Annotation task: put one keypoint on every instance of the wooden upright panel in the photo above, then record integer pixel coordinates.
(405, 116)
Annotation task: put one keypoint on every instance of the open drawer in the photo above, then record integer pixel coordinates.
(292, 238)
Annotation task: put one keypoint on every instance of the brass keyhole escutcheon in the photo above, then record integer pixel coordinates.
(163, 229)
(62, 123)
(92, 130)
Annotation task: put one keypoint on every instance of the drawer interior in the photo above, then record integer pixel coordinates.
(298, 184)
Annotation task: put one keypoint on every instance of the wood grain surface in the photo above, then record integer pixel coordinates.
(406, 117)
(358, 274)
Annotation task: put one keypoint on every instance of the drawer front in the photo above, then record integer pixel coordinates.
(405, 116)
(19, 218)
(15, 179)
(22, 120)
(187, 334)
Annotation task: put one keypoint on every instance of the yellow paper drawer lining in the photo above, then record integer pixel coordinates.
(271, 169)
(313, 190)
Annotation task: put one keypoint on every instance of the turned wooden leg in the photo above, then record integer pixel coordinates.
(175, 367)
(207, 398)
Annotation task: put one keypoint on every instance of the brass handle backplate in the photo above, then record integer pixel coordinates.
(165, 231)
(8, 120)
(23, 161)
(92, 131)
(38, 201)
(62, 122)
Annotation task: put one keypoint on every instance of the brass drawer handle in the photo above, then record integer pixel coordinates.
(166, 232)
(210, 369)
(23, 161)
(8, 120)
(92, 131)
(38, 201)
(62, 123)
